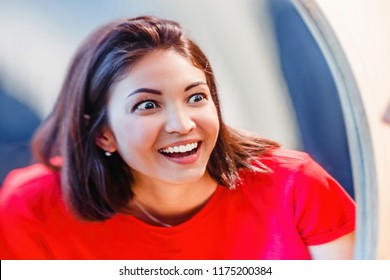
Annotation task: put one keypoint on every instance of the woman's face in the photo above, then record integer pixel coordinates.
(163, 120)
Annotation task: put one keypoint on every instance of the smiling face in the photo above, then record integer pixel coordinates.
(162, 120)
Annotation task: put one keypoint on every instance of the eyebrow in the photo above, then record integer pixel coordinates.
(195, 85)
(148, 90)
(155, 91)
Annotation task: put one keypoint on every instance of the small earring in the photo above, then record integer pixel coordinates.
(108, 154)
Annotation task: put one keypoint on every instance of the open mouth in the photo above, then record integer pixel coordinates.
(181, 150)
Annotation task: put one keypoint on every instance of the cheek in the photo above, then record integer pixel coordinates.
(209, 121)
(135, 134)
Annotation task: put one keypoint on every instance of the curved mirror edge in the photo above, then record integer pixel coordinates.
(358, 132)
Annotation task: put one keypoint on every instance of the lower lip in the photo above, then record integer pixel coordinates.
(187, 159)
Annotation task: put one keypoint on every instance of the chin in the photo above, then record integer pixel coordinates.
(187, 178)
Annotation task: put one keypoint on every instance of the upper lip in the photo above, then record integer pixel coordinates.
(179, 143)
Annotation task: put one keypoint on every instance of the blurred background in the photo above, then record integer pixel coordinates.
(274, 72)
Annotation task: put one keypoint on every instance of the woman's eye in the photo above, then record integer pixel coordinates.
(146, 105)
(197, 98)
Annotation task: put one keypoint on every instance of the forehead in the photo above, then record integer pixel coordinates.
(164, 64)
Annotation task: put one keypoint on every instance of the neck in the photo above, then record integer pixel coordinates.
(172, 204)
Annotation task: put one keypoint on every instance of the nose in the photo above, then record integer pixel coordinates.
(179, 120)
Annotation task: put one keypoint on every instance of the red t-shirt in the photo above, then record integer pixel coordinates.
(268, 216)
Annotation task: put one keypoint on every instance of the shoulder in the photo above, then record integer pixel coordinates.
(30, 189)
(284, 158)
(297, 168)
(301, 189)
(29, 198)
(284, 171)
(292, 172)
(284, 163)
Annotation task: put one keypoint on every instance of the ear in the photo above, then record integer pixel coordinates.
(106, 140)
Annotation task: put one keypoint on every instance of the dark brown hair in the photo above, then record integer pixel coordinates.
(95, 186)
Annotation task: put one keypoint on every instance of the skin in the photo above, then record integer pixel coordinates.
(164, 101)
(339, 249)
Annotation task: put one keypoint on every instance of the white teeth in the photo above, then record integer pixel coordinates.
(181, 148)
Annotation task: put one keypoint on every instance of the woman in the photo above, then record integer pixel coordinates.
(137, 163)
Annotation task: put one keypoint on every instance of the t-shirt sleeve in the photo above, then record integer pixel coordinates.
(21, 231)
(20, 238)
(323, 211)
